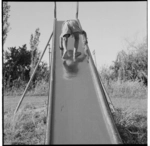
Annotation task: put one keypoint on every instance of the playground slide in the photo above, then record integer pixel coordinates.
(77, 112)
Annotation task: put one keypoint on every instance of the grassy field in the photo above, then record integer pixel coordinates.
(30, 120)
(129, 100)
(131, 120)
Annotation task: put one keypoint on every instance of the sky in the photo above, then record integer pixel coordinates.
(108, 25)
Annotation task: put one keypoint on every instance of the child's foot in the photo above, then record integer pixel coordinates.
(78, 54)
(85, 41)
(88, 60)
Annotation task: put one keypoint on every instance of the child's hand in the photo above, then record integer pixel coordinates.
(85, 42)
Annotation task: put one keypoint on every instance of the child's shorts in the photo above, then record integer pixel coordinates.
(70, 27)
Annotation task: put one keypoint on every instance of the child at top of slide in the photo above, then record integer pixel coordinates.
(71, 28)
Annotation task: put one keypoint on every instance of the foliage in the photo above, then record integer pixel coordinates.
(41, 88)
(29, 125)
(132, 65)
(16, 69)
(42, 72)
(20, 64)
(17, 65)
(34, 41)
(6, 24)
(128, 89)
(132, 129)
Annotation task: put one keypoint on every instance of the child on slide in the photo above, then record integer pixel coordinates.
(71, 28)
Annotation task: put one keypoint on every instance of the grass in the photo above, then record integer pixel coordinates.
(128, 89)
(132, 128)
(41, 89)
(28, 127)
(130, 102)
(128, 98)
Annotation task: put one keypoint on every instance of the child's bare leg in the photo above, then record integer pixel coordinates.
(60, 43)
(61, 46)
(76, 44)
(64, 43)
(85, 42)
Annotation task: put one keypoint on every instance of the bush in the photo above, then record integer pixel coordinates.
(41, 88)
(133, 64)
(132, 129)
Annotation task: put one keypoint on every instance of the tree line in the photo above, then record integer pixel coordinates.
(131, 65)
(19, 63)
(18, 67)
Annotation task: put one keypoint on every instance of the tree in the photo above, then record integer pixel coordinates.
(6, 24)
(16, 68)
(42, 70)
(17, 65)
(132, 65)
(34, 42)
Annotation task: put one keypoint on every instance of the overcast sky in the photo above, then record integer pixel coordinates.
(107, 24)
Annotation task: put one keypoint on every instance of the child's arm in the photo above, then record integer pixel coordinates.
(60, 43)
(84, 37)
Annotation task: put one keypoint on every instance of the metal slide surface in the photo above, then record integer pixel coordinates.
(77, 115)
